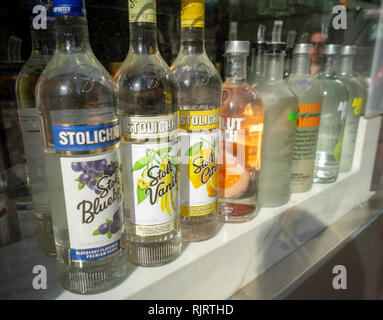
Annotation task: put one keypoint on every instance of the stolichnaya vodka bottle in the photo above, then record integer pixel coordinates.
(354, 107)
(147, 107)
(241, 125)
(258, 58)
(200, 99)
(280, 105)
(310, 98)
(77, 108)
(42, 50)
(333, 118)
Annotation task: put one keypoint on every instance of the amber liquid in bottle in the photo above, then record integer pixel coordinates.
(241, 124)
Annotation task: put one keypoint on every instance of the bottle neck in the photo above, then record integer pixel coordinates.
(275, 63)
(300, 64)
(71, 33)
(143, 38)
(329, 65)
(192, 40)
(235, 67)
(346, 65)
(42, 42)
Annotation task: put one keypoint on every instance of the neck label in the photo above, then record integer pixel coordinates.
(69, 8)
(142, 11)
(192, 13)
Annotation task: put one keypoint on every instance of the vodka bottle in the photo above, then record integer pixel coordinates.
(280, 105)
(310, 98)
(241, 118)
(333, 118)
(76, 102)
(258, 58)
(354, 107)
(42, 50)
(200, 99)
(148, 105)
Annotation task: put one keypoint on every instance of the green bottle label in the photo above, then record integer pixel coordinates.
(142, 11)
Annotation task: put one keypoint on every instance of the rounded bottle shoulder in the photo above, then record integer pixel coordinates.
(275, 90)
(302, 86)
(75, 81)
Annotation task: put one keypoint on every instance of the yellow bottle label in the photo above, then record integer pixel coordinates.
(199, 173)
(192, 13)
(199, 120)
(142, 11)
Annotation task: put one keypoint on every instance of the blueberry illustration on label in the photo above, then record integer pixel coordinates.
(109, 227)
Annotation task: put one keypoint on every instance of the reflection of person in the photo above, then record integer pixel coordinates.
(317, 40)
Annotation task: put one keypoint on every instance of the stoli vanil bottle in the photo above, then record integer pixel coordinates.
(147, 106)
(77, 108)
(200, 99)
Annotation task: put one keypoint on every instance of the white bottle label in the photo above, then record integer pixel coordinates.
(26, 217)
(153, 176)
(93, 198)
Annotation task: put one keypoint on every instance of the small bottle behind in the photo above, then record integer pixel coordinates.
(333, 118)
(354, 107)
(76, 101)
(258, 58)
(280, 105)
(241, 125)
(42, 51)
(147, 105)
(310, 97)
(200, 99)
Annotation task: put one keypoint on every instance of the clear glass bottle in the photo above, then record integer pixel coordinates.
(280, 105)
(200, 99)
(147, 107)
(310, 98)
(42, 51)
(76, 101)
(241, 125)
(258, 58)
(333, 118)
(354, 107)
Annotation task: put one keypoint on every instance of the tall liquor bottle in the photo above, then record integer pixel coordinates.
(147, 107)
(76, 102)
(258, 58)
(280, 105)
(310, 98)
(354, 107)
(333, 118)
(200, 99)
(42, 50)
(241, 118)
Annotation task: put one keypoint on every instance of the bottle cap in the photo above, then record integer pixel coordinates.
(348, 50)
(291, 39)
(237, 47)
(303, 48)
(331, 49)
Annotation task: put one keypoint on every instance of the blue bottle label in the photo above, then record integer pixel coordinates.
(68, 8)
(86, 139)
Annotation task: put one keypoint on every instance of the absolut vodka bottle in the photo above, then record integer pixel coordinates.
(241, 128)
(42, 50)
(77, 109)
(280, 105)
(200, 99)
(310, 97)
(354, 107)
(148, 105)
(333, 118)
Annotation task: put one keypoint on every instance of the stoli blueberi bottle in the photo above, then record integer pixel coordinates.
(76, 102)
